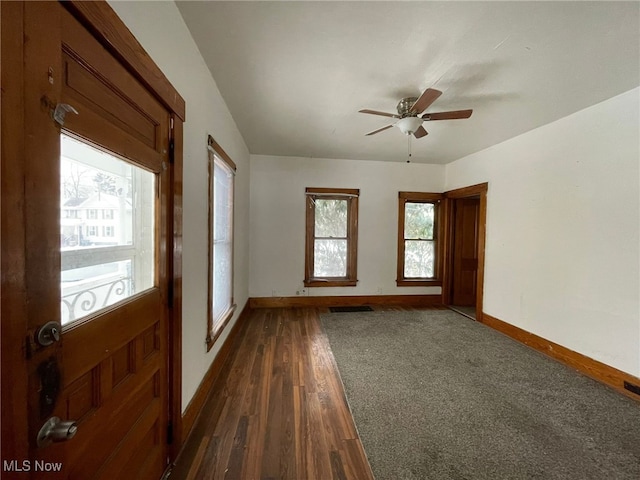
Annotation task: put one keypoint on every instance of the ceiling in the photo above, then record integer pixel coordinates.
(295, 74)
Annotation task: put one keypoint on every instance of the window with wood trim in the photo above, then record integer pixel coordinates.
(221, 190)
(419, 254)
(331, 247)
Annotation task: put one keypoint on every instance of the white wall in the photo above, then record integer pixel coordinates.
(278, 220)
(562, 257)
(563, 241)
(159, 27)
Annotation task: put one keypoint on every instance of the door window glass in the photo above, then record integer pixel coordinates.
(106, 257)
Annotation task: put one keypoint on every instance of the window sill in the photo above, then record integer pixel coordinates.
(419, 282)
(219, 327)
(329, 282)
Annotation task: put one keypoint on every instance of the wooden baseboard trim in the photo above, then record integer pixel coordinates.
(352, 300)
(588, 366)
(197, 402)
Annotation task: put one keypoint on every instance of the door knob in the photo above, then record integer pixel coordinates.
(56, 430)
(48, 334)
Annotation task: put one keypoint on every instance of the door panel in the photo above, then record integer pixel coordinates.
(112, 361)
(99, 338)
(465, 260)
(110, 101)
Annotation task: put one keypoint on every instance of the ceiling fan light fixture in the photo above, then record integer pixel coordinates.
(409, 108)
(409, 125)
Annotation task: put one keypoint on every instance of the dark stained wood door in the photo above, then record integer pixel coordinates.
(87, 266)
(465, 251)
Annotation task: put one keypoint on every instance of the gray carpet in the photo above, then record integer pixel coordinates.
(437, 396)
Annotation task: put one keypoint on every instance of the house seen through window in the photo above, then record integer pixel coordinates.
(106, 229)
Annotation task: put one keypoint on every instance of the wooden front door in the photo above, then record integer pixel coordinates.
(465, 251)
(96, 213)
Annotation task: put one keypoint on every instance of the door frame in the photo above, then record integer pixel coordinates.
(104, 24)
(480, 190)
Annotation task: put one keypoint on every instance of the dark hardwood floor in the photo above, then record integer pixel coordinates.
(277, 410)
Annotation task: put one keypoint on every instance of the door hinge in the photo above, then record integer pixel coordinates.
(169, 433)
(172, 147)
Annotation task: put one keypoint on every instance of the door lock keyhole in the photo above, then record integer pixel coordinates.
(48, 334)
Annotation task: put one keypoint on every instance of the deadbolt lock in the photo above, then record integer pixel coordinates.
(48, 334)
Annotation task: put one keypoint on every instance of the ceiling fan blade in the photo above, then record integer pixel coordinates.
(453, 115)
(375, 112)
(420, 132)
(426, 99)
(379, 130)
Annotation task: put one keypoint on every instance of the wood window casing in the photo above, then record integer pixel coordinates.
(350, 195)
(419, 197)
(215, 326)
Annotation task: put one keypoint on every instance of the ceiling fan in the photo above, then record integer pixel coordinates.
(408, 110)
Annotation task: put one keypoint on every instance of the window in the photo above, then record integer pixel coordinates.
(221, 182)
(107, 214)
(98, 272)
(331, 237)
(418, 232)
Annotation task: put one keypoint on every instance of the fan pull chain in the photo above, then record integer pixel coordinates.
(409, 148)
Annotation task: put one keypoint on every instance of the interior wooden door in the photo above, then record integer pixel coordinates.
(96, 188)
(465, 251)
